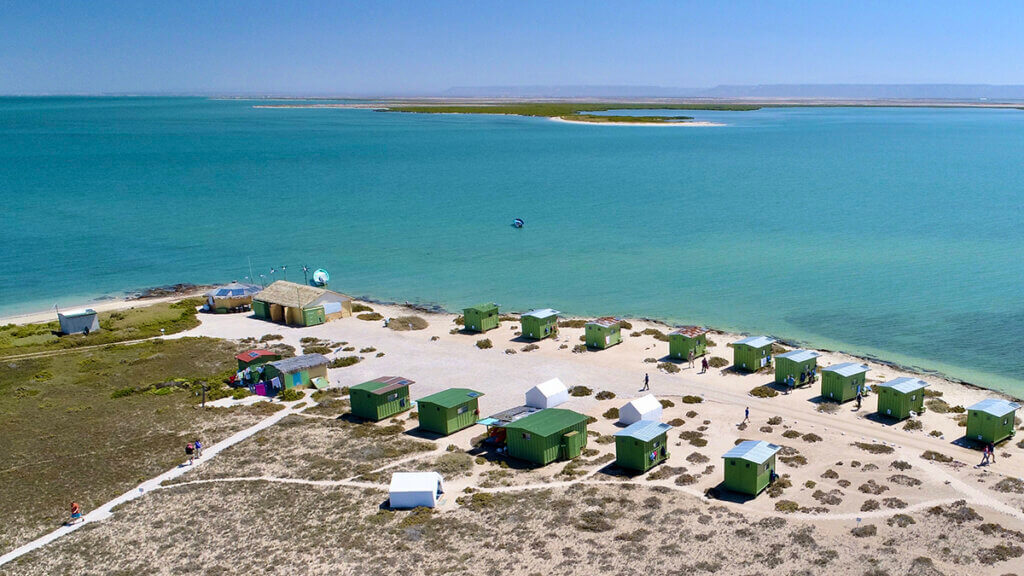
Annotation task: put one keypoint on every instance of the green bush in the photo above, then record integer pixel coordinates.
(580, 391)
(290, 395)
(576, 323)
(344, 361)
(611, 414)
(624, 325)
(240, 393)
(271, 337)
(316, 350)
(692, 400)
(666, 403)
(764, 392)
(370, 316)
(658, 334)
(718, 362)
(668, 367)
(357, 308)
(605, 395)
(484, 344)
(406, 323)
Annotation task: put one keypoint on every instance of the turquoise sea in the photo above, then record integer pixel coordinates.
(891, 232)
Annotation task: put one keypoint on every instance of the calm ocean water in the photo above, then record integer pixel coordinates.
(893, 232)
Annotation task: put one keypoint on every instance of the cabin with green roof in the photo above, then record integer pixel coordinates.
(992, 420)
(548, 435)
(642, 445)
(687, 339)
(380, 398)
(539, 324)
(898, 398)
(796, 366)
(752, 354)
(481, 318)
(449, 411)
(602, 333)
(749, 466)
(841, 382)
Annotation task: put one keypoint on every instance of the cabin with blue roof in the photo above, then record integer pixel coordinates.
(752, 354)
(642, 445)
(841, 382)
(796, 367)
(898, 398)
(992, 420)
(750, 466)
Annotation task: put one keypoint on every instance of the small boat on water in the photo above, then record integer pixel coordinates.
(518, 223)
(320, 277)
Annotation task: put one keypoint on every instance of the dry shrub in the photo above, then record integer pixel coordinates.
(764, 391)
(406, 323)
(370, 316)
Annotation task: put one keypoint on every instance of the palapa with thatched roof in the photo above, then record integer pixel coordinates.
(300, 305)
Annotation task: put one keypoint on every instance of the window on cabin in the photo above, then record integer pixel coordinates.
(732, 462)
(748, 464)
(392, 397)
(462, 410)
(526, 436)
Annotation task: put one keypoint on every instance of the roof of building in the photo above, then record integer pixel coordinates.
(605, 321)
(384, 384)
(548, 421)
(78, 312)
(688, 331)
(757, 451)
(904, 384)
(415, 482)
(505, 417)
(549, 388)
(756, 341)
(294, 295)
(254, 354)
(542, 313)
(482, 308)
(451, 397)
(234, 290)
(847, 368)
(644, 404)
(298, 363)
(644, 430)
(799, 355)
(996, 407)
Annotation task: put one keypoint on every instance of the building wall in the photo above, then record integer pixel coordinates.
(261, 309)
(679, 346)
(636, 455)
(448, 420)
(748, 358)
(840, 388)
(785, 367)
(379, 406)
(601, 336)
(984, 427)
(313, 316)
(538, 329)
(747, 477)
(473, 320)
(540, 449)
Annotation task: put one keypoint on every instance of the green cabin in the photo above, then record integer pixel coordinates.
(381, 398)
(898, 398)
(840, 382)
(749, 466)
(752, 354)
(449, 411)
(992, 420)
(296, 371)
(798, 365)
(602, 333)
(539, 324)
(687, 339)
(481, 318)
(548, 435)
(253, 358)
(642, 445)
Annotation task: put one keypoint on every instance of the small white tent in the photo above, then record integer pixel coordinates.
(645, 408)
(547, 394)
(412, 489)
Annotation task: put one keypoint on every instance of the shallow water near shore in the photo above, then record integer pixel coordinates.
(891, 232)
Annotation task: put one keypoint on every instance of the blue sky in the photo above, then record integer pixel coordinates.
(395, 47)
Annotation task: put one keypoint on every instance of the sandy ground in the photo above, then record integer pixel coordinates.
(692, 124)
(840, 471)
(99, 306)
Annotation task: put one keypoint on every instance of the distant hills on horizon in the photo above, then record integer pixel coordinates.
(764, 91)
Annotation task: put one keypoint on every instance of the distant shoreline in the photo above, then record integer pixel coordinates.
(697, 124)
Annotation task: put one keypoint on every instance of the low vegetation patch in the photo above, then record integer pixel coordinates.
(874, 448)
(666, 403)
(692, 400)
(580, 391)
(370, 316)
(865, 531)
(604, 395)
(775, 420)
(764, 391)
(529, 348)
(484, 344)
(828, 407)
(872, 487)
(344, 361)
(936, 456)
(811, 437)
(407, 323)
(717, 362)
(668, 367)
(357, 308)
(913, 425)
(611, 414)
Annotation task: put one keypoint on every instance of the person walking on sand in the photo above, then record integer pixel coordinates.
(199, 449)
(992, 452)
(76, 513)
(858, 399)
(190, 452)
(647, 382)
(703, 365)
(746, 414)
(691, 358)
(984, 456)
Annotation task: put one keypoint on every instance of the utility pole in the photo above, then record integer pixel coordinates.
(305, 274)
(284, 270)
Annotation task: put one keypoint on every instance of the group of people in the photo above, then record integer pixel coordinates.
(193, 450)
(988, 455)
